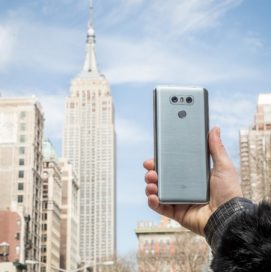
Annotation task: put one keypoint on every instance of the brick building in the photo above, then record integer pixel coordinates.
(168, 247)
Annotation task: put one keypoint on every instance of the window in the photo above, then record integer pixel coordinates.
(21, 174)
(22, 138)
(20, 186)
(17, 250)
(22, 114)
(21, 161)
(20, 199)
(44, 205)
(43, 249)
(44, 239)
(21, 150)
(22, 126)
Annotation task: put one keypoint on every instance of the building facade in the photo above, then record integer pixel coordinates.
(12, 241)
(21, 132)
(89, 144)
(168, 247)
(255, 153)
(51, 208)
(69, 251)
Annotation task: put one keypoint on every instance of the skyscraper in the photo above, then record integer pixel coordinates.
(255, 152)
(89, 143)
(21, 132)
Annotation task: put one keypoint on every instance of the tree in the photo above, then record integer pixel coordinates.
(186, 252)
(120, 264)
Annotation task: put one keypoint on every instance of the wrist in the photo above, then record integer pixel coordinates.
(220, 218)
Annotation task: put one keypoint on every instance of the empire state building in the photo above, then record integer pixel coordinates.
(89, 143)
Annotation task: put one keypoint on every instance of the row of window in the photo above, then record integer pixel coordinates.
(20, 185)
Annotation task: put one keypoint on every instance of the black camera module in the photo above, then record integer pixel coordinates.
(189, 99)
(174, 99)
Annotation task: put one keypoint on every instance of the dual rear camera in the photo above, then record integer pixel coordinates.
(181, 100)
(174, 99)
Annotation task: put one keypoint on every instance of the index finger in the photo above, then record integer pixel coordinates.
(149, 164)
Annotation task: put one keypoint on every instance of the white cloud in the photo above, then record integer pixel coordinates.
(52, 6)
(45, 51)
(162, 44)
(7, 40)
(131, 133)
(52, 107)
(169, 18)
(234, 104)
(254, 42)
(50, 49)
(175, 17)
(146, 61)
(236, 112)
(38, 46)
(231, 114)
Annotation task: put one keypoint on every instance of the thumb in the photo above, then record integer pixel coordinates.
(217, 149)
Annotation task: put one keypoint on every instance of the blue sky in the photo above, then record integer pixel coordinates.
(223, 45)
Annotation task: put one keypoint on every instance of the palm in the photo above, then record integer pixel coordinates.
(190, 216)
(224, 184)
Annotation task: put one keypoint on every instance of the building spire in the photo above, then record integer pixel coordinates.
(90, 8)
(90, 64)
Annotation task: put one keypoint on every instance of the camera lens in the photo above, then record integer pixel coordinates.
(189, 100)
(174, 99)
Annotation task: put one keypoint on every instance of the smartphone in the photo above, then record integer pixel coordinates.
(182, 160)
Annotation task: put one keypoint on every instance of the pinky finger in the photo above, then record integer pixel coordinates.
(153, 201)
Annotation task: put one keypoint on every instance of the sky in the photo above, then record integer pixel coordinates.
(222, 45)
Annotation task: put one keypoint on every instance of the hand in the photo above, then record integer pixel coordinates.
(224, 185)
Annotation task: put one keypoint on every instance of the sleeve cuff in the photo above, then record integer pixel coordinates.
(221, 217)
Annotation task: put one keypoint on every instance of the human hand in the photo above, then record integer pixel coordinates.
(224, 185)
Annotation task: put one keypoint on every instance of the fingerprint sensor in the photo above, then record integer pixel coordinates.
(182, 114)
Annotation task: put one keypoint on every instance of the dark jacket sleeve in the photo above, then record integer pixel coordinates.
(239, 233)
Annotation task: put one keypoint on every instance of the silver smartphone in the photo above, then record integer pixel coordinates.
(182, 161)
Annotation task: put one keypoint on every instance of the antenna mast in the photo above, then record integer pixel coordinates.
(91, 12)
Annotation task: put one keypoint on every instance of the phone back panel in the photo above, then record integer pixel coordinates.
(181, 145)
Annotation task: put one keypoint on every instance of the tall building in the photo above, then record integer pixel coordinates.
(89, 143)
(169, 247)
(51, 208)
(21, 131)
(255, 153)
(69, 251)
